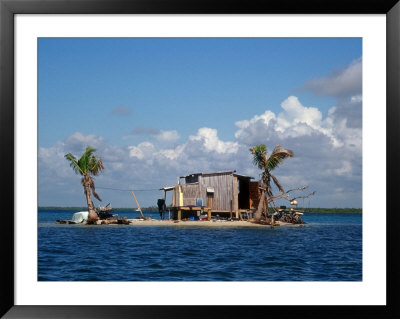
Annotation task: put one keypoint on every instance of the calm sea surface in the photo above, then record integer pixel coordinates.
(329, 248)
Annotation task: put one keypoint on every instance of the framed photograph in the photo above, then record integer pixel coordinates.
(176, 114)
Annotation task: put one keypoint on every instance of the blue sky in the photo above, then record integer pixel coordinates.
(160, 108)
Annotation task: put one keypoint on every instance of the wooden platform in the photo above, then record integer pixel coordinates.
(180, 211)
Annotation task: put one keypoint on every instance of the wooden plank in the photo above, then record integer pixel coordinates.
(180, 196)
(190, 208)
(137, 203)
(235, 193)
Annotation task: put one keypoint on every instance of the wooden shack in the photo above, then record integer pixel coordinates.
(223, 193)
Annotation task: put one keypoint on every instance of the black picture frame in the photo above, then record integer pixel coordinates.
(8, 8)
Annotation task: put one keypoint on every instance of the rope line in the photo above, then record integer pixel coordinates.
(128, 190)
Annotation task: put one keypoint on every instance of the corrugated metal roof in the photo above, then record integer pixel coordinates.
(209, 173)
(243, 176)
(167, 188)
(218, 172)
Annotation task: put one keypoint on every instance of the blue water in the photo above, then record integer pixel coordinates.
(329, 248)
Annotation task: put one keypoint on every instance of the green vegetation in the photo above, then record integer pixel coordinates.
(332, 210)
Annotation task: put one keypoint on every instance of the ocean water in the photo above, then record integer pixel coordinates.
(329, 248)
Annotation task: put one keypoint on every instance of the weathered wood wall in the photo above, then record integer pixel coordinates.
(225, 196)
(223, 185)
(175, 196)
(190, 193)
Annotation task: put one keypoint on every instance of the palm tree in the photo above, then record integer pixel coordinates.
(267, 164)
(88, 165)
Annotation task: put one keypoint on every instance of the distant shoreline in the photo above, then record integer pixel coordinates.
(84, 208)
(155, 209)
(332, 210)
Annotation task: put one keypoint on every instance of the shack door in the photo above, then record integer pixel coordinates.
(254, 194)
(243, 196)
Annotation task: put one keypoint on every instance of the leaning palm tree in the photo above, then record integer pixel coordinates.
(88, 165)
(267, 164)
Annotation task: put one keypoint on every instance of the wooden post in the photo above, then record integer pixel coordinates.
(235, 195)
(209, 206)
(165, 205)
(179, 214)
(272, 221)
(137, 203)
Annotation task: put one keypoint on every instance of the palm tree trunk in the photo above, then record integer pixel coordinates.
(92, 212)
(266, 212)
(265, 204)
(257, 214)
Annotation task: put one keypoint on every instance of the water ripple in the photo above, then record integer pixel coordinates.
(330, 249)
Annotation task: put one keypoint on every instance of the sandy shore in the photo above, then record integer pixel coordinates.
(185, 223)
(156, 222)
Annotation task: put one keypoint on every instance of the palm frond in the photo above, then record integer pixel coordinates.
(89, 150)
(83, 180)
(269, 191)
(259, 155)
(277, 183)
(95, 165)
(277, 157)
(84, 161)
(278, 150)
(73, 163)
(92, 187)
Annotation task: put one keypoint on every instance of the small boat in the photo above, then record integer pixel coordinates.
(77, 218)
(80, 217)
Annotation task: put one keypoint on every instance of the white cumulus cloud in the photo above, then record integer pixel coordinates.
(141, 150)
(167, 136)
(328, 155)
(296, 120)
(295, 113)
(211, 143)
